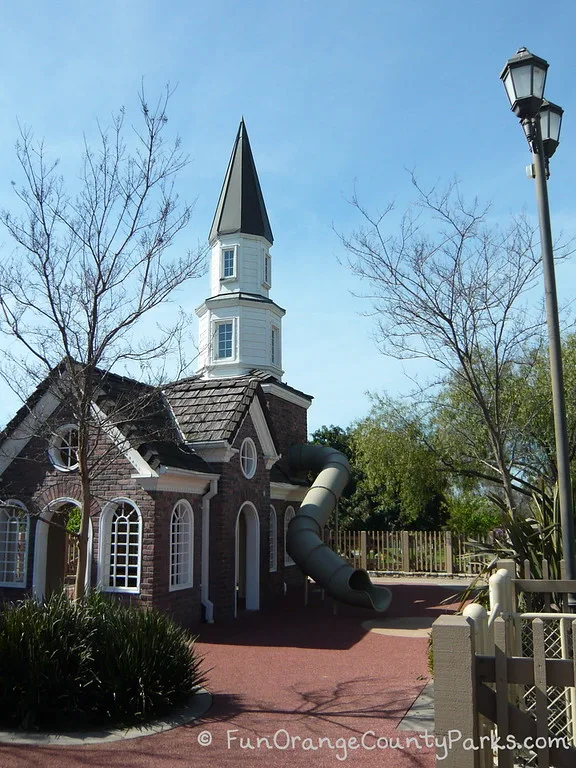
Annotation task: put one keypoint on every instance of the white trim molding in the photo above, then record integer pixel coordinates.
(105, 536)
(252, 557)
(41, 545)
(121, 442)
(8, 547)
(205, 564)
(287, 492)
(214, 450)
(181, 547)
(27, 429)
(285, 394)
(176, 479)
(265, 439)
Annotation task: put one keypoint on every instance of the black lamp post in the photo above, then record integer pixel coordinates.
(524, 78)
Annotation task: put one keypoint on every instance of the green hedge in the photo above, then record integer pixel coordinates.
(67, 665)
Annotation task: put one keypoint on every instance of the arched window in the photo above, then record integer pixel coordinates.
(14, 530)
(273, 539)
(121, 531)
(181, 546)
(288, 515)
(63, 450)
(248, 458)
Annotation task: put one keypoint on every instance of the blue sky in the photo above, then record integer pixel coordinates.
(334, 95)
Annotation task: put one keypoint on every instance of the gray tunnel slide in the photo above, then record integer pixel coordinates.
(304, 541)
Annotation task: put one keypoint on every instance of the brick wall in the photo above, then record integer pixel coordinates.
(32, 479)
(233, 491)
(290, 425)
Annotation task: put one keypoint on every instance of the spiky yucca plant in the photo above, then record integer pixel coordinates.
(530, 540)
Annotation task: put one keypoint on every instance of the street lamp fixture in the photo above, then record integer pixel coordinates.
(524, 77)
(550, 124)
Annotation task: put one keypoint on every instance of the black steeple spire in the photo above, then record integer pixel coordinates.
(241, 205)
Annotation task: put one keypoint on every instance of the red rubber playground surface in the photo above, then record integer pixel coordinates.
(293, 687)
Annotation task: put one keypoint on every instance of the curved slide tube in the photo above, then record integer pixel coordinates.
(304, 540)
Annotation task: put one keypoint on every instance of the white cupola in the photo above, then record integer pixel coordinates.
(240, 326)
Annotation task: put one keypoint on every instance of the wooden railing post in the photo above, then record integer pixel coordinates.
(406, 551)
(363, 550)
(449, 553)
(455, 712)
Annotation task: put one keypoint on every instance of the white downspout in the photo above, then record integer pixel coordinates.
(205, 568)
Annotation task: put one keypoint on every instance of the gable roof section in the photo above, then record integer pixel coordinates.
(136, 416)
(143, 415)
(241, 205)
(209, 410)
(267, 378)
(163, 426)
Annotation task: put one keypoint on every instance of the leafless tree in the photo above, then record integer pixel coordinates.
(451, 288)
(88, 265)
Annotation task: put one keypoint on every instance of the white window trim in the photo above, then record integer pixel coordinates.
(104, 553)
(275, 356)
(289, 513)
(267, 283)
(55, 446)
(235, 266)
(215, 340)
(273, 540)
(248, 443)
(190, 582)
(19, 584)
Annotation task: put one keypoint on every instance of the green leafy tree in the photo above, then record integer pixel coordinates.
(359, 508)
(399, 466)
(450, 287)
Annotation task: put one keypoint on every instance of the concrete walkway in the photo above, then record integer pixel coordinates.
(298, 686)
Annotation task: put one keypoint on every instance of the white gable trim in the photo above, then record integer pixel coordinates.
(271, 455)
(27, 429)
(178, 480)
(286, 394)
(214, 450)
(287, 492)
(143, 468)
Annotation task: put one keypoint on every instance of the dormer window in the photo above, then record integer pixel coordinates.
(228, 267)
(267, 270)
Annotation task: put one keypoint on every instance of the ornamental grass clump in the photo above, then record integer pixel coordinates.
(46, 662)
(67, 665)
(144, 662)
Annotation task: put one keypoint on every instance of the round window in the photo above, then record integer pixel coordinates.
(248, 458)
(63, 449)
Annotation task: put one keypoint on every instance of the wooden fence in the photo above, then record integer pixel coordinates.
(505, 683)
(406, 551)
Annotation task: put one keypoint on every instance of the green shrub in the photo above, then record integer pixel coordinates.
(45, 661)
(145, 662)
(472, 515)
(65, 664)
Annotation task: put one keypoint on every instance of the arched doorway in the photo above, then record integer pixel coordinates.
(247, 582)
(55, 549)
